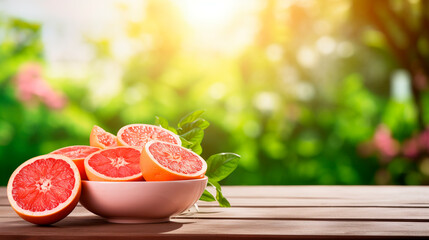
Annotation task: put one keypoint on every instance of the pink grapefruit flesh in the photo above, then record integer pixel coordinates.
(137, 135)
(161, 161)
(44, 189)
(101, 138)
(114, 164)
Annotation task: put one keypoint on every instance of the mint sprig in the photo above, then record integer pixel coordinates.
(191, 132)
(191, 128)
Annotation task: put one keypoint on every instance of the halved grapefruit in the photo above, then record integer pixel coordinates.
(114, 164)
(44, 189)
(77, 154)
(137, 135)
(102, 139)
(161, 161)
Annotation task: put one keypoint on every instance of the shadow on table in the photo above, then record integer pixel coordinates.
(99, 226)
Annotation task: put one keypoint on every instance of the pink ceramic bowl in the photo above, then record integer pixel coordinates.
(140, 202)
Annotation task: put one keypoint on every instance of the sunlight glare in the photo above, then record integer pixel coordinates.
(208, 13)
(219, 26)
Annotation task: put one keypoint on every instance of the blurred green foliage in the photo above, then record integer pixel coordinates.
(302, 103)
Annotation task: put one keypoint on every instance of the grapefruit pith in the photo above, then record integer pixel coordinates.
(114, 164)
(101, 138)
(137, 135)
(161, 161)
(77, 154)
(44, 189)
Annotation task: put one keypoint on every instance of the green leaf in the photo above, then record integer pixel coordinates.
(198, 123)
(186, 143)
(162, 122)
(190, 117)
(191, 129)
(223, 202)
(196, 148)
(207, 196)
(194, 136)
(220, 165)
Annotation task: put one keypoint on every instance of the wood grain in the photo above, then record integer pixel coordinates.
(296, 196)
(314, 213)
(343, 192)
(94, 228)
(258, 212)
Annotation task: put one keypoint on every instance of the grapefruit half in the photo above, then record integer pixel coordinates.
(161, 161)
(137, 135)
(102, 139)
(114, 164)
(44, 189)
(77, 154)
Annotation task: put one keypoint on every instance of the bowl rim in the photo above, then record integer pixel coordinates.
(146, 182)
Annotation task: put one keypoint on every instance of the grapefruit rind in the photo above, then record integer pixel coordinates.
(94, 175)
(78, 161)
(121, 142)
(55, 214)
(74, 146)
(152, 170)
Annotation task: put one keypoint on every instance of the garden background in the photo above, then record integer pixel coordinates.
(307, 92)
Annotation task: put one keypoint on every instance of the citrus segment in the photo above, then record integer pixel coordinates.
(114, 164)
(138, 135)
(44, 189)
(161, 161)
(77, 154)
(102, 139)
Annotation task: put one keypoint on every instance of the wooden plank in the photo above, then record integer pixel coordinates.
(97, 228)
(327, 214)
(3, 198)
(327, 191)
(327, 196)
(318, 213)
(258, 212)
(384, 196)
(314, 202)
(277, 202)
(380, 194)
(8, 212)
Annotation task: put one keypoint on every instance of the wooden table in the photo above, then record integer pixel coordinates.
(258, 212)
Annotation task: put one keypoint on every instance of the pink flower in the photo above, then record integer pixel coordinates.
(411, 147)
(385, 143)
(424, 140)
(31, 87)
